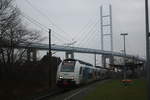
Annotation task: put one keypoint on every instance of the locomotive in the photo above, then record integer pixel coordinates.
(77, 72)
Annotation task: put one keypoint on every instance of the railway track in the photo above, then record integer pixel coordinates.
(47, 94)
(50, 93)
(60, 91)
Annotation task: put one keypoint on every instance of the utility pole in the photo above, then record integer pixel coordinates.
(50, 42)
(124, 74)
(101, 23)
(147, 46)
(95, 59)
(50, 61)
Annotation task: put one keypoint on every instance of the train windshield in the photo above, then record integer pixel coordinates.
(68, 66)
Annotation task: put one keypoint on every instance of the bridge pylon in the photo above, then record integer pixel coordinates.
(106, 31)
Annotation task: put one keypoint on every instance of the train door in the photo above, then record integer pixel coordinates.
(81, 74)
(85, 75)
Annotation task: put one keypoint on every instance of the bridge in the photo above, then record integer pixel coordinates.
(70, 50)
(54, 47)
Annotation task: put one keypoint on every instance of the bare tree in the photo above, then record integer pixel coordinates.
(12, 33)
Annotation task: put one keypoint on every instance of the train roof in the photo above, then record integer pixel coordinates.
(80, 61)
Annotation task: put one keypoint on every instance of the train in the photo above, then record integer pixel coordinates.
(76, 72)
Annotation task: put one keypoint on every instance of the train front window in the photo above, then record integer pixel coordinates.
(68, 66)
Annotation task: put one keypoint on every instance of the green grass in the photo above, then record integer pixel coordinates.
(115, 90)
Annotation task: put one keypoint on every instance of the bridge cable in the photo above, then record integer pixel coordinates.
(33, 21)
(91, 29)
(44, 15)
(84, 29)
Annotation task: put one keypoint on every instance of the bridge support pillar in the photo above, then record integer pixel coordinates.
(31, 55)
(34, 55)
(105, 57)
(70, 55)
(104, 61)
(111, 60)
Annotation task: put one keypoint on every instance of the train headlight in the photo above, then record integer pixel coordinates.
(60, 77)
(72, 78)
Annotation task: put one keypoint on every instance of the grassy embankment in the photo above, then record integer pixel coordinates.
(115, 90)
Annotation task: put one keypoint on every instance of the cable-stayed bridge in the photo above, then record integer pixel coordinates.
(55, 47)
(90, 28)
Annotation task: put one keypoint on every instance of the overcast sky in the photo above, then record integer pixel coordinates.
(78, 20)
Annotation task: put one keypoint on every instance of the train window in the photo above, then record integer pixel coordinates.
(68, 66)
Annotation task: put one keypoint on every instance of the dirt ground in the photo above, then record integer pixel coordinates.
(16, 90)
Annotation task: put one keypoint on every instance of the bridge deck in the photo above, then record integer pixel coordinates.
(78, 49)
